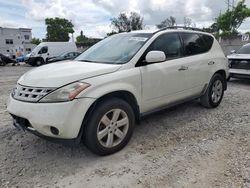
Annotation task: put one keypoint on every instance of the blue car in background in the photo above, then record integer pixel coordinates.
(23, 58)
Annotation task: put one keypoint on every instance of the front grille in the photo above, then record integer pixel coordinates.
(30, 94)
(240, 64)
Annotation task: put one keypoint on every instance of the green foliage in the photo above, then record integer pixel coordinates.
(81, 38)
(231, 20)
(58, 29)
(36, 41)
(111, 33)
(168, 22)
(213, 29)
(124, 23)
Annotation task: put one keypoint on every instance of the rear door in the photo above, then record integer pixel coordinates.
(196, 47)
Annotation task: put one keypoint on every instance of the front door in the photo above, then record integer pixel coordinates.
(164, 82)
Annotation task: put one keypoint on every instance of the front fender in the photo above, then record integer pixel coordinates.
(124, 80)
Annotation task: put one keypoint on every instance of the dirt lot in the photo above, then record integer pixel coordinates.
(185, 146)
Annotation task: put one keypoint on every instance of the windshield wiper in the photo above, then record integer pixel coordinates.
(86, 60)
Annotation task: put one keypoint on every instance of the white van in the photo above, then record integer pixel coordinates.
(46, 50)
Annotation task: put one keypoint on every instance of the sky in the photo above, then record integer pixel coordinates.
(93, 16)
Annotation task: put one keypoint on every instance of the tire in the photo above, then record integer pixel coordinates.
(3, 63)
(39, 62)
(214, 93)
(101, 122)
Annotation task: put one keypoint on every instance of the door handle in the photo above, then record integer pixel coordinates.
(183, 68)
(210, 63)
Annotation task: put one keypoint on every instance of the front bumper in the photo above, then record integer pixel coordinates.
(23, 124)
(239, 73)
(67, 117)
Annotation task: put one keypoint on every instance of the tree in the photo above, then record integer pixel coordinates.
(81, 37)
(111, 33)
(124, 23)
(58, 29)
(231, 20)
(211, 29)
(36, 41)
(168, 22)
(136, 21)
(187, 22)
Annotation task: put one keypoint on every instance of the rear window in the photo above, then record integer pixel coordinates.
(196, 44)
(208, 40)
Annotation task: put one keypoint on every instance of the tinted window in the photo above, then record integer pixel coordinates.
(208, 41)
(43, 50)
(168, 43)
(194, 44)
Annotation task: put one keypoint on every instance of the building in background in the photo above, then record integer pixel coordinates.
(15, 41)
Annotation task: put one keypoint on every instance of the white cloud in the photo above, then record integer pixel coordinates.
(93, 16)
(11, 23)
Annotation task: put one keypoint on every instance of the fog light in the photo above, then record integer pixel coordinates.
(54, 130)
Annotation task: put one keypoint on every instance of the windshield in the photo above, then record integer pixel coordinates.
(36, 49)
(244, 50)
(117, 49)
(63, 54)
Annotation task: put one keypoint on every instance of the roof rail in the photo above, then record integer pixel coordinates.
(180, 27)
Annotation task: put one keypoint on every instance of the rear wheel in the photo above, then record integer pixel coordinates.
(110, 127)
(2, 63)
(215, 91)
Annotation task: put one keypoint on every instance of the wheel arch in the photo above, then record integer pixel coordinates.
(121, 94)
(224, 75)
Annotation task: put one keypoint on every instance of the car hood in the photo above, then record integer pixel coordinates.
(59, 74)
(239, 56)
(55, 58)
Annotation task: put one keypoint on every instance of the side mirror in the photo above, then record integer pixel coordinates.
(155, 56)
(232, 51)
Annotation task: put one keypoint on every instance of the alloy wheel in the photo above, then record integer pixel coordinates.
(112, 128)
(217, 90)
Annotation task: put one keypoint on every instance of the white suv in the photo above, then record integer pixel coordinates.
(98, 97)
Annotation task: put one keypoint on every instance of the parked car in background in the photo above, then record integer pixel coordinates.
(239, 63)
(64, 56)
(6, 60)
(46, 50)
(1, 62)
(23, 58)
(110, 86)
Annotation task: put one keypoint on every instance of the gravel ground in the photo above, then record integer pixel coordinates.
(185, 146)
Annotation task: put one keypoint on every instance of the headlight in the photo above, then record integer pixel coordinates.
(230, 63)
(65, 93)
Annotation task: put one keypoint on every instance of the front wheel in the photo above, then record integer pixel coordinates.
(215, 91)
(110, 127)
(39, 62)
